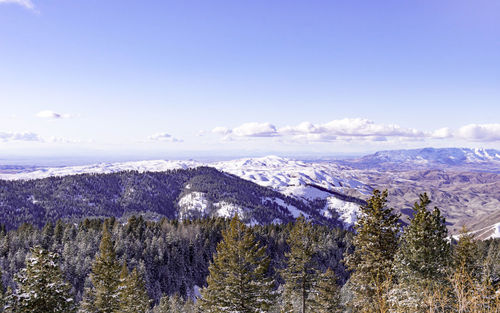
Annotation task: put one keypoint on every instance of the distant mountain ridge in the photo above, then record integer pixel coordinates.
(428, 157)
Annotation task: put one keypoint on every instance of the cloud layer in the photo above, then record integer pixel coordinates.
(357, 129)
(19, 136)
(34, 137)
(163, 137)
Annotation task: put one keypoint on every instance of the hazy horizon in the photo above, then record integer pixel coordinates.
(247, 78)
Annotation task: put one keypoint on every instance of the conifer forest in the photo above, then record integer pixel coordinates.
(224, 265)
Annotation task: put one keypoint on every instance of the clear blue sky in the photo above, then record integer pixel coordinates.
(166, 77)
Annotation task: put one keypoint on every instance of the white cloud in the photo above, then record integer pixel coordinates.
(352, 127)
(28, 4)
(52, 115)
(479, 132)
(163, 137)
(442, 133)
(255, 130)
(347, 129)
(247, 130)
(221, 131)
(19, 136)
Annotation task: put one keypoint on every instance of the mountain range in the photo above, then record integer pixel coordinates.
(462, 182)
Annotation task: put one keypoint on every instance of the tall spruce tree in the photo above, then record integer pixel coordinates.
(237, 280)
(423, 258)
(103, 296)
(132, 291)
(371, 263)
(328, 294)
(465, 254)
(41, 287)
(300, 273)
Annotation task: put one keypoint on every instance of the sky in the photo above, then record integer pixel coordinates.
(158, 79)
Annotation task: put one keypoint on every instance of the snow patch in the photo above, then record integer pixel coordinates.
(193, 203)
(348, 211)
(226, 209)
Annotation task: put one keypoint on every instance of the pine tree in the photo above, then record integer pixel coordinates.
(328, 294)
(132, 291)
(423, 257)
(375, 244)
(300, 273)
(237, 280)
(465, 253)
(2, 293)
(103, 296)
(41, 287)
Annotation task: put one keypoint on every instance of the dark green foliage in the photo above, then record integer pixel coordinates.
(425, 251)
(328, 294)
(465, 254)
(300, 273)
(40, 286)
(173, 256)
(375, 242)
(423, 258)
(132, 292)
(238, 279)
(103, 296)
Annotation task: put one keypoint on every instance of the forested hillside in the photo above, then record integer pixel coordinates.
(153, 194)
(104, 265)
(173, 256)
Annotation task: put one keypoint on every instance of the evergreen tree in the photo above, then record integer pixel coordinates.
(328, 294)
(103, 296)
(465, 253)
(2, 293)
(237, 280)
(132, 291)
(300, 273)
(41, 287)
(375, 244)
(423, 256)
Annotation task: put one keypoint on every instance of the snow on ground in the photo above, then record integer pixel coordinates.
(348, 211)
(490, 232)
(290, 177)
(292, 209)
(193, 202)
(282, 173)
(226, 209)
(140, 166)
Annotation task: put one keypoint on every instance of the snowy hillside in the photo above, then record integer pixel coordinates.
(103, 168)
(428, 157)
(305, 181)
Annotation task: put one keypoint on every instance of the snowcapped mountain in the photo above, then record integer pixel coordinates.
(428, 157)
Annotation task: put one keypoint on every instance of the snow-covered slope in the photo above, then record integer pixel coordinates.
(305, 181)
(282, 173)
(490, 232)
(103, 168)
(428, 157)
